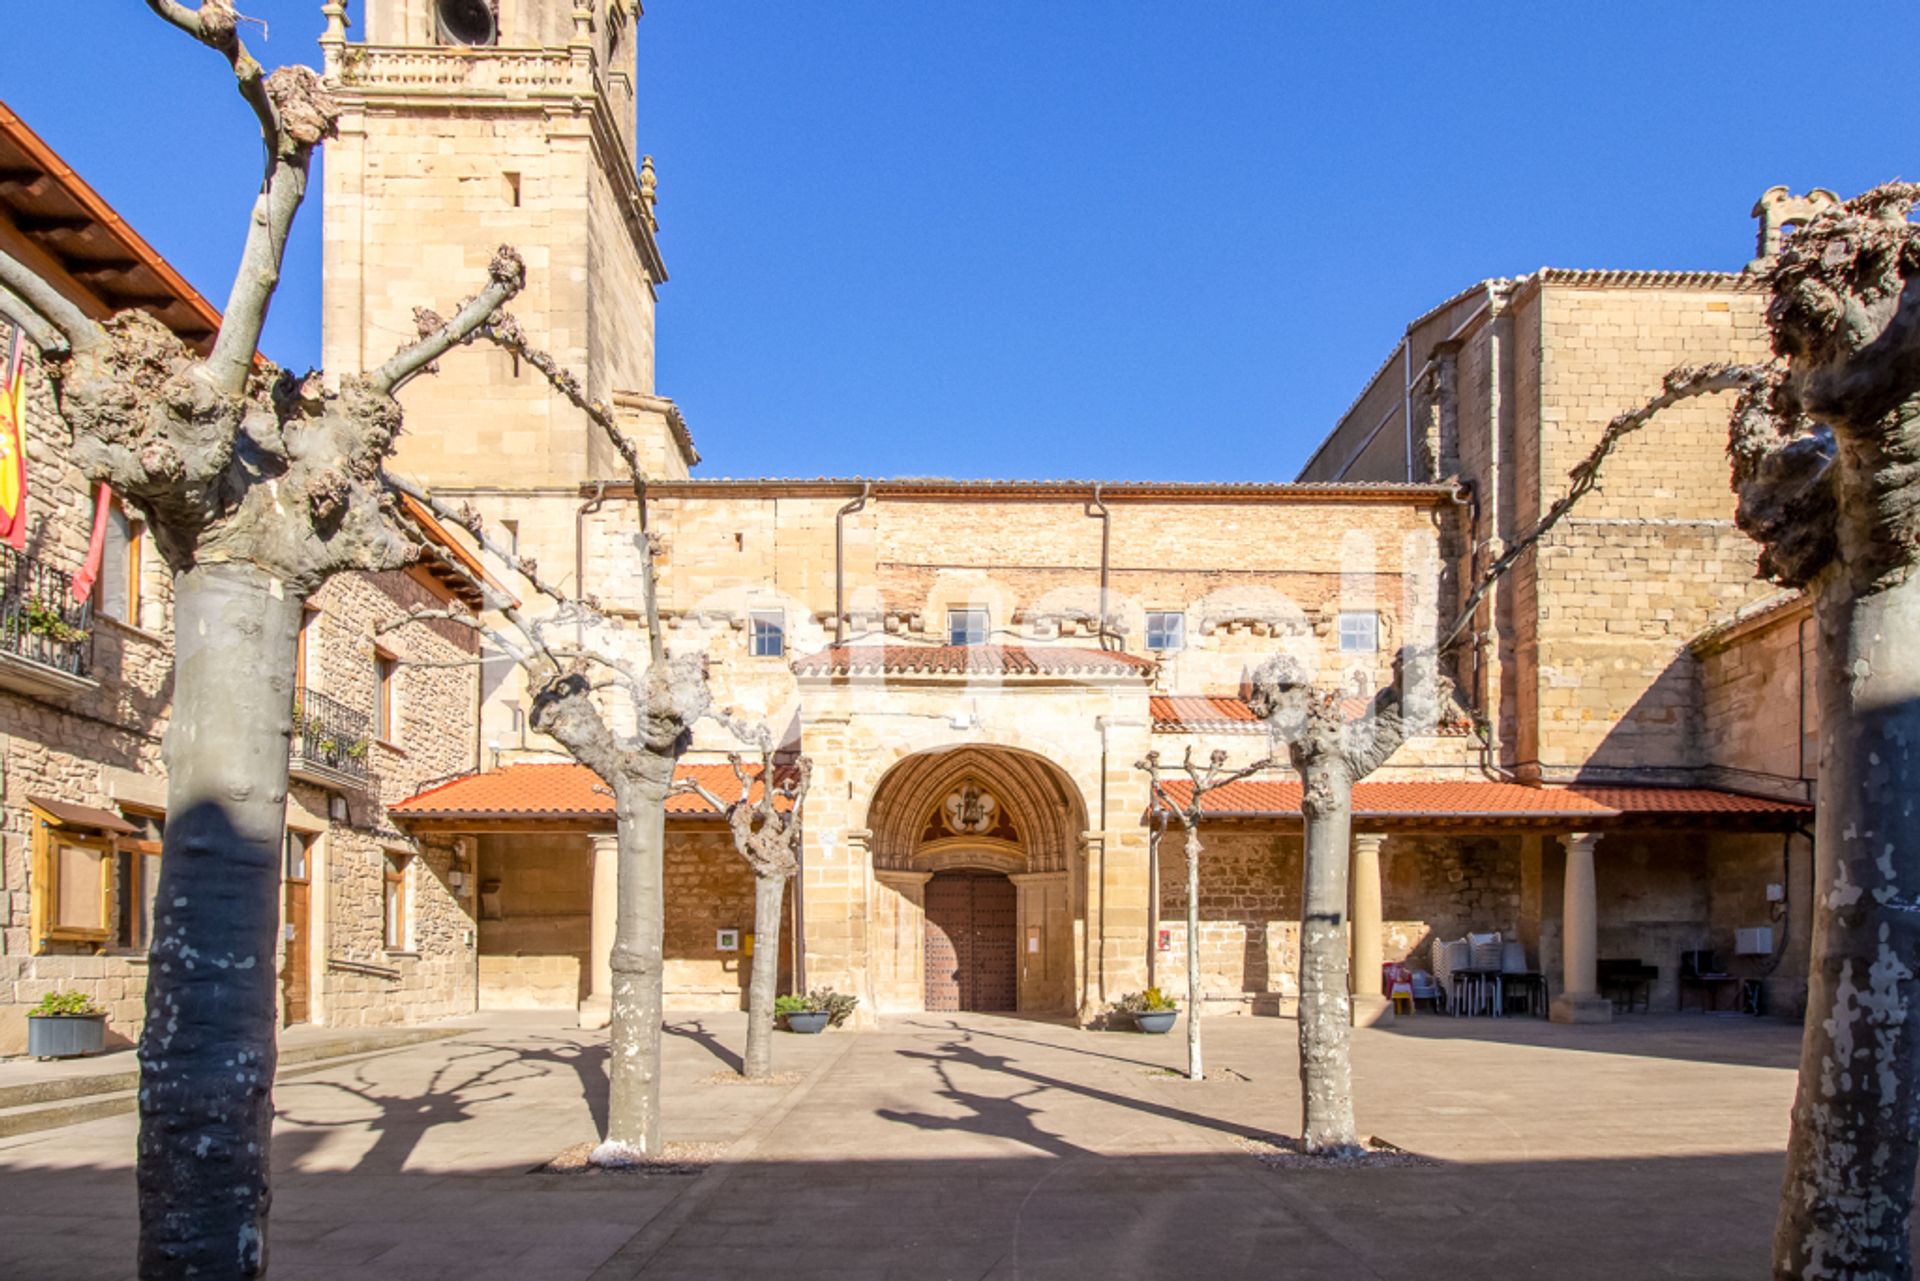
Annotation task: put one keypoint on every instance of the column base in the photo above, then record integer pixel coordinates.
(1587, 1007)
(1369, 1009)
(596, 1012)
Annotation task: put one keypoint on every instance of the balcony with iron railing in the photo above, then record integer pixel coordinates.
(41, 624)
(330, 741)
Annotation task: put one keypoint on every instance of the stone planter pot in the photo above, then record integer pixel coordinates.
(811, 1022)
(65, 1036)
(1157, 1022)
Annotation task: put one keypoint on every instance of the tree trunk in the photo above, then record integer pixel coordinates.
(1326, 1009)
(769, 898)
(1196, 1069)
(207, 1051)
(1850, 1163)
(633, 1103)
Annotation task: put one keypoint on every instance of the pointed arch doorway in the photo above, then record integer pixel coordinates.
(972, 926)
(973, 850)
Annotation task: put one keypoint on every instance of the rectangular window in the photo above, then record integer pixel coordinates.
(386, 671)
(138, 859)
(116, 592)
(769, 633)
(1166, 630)
(394, 901)
(967, 626)
(1359, 632)
(305, 661)
(73, 886)
(299, 847)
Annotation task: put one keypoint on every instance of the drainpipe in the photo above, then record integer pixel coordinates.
(580, 554)
(840, 561)
(1098, 511)
(1406, 396)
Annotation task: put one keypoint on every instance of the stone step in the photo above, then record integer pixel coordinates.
(70, 1100)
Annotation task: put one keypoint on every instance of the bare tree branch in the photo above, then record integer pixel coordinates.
(506, 332)
(38, 307)
(508, 275)
(1680, 384)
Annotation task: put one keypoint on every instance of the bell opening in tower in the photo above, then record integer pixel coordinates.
(467, 22)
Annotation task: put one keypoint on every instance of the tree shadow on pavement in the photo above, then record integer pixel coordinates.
(696, 1031)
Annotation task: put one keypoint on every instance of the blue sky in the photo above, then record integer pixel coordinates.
(1118, 240)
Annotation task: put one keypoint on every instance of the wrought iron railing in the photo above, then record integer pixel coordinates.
(39, 618)
(330, 736)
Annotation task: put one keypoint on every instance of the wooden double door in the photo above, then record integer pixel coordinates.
(972, 922)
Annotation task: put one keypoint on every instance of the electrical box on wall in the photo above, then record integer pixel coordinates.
(1754, 942)
(1776, 893)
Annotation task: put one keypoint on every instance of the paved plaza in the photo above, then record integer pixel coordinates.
(973, 1146)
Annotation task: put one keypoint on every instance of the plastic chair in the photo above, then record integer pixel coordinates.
(1425, 989)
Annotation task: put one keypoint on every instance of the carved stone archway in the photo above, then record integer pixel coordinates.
(979, 808)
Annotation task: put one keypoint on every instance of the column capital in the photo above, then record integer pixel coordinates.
(1369, 841)
(1584, 840)
(901, 876)
(605, 842)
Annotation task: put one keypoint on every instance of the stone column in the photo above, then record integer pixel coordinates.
(597, 1010)
(1369, 1001)
(1580, 1000)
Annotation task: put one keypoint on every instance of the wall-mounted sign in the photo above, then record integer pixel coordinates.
(1166, 940)
(13, 438)
(726, 940)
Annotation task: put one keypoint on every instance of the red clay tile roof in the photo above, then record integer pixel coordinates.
(559, 791)
(1219, 713)
(970, 660)
(1263, 798)
(1191, 712)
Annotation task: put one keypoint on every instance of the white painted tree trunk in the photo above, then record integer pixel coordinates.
(1850, 1175)
(1196, 1068)
(1326, 1007)
(637, 1014)
(769, 900)
(207, 1051)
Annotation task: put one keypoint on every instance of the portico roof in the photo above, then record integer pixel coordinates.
(1453, 804)
(971, 660)
(559, 793)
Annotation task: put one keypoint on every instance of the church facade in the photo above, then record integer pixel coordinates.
(977, 668)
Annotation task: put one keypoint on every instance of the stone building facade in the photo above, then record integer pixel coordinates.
(84, 699)
(976, 667)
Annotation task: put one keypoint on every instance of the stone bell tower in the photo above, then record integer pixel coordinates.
(467, 124)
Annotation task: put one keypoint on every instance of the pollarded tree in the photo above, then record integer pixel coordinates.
(766, 833)
(1826, 464)
(257, 486)
(1331, 753)
(565, 682)
(1199, 783)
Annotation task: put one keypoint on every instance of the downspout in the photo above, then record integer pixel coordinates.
(1098, 511)
(840, 561)
(580, 553)
(799, 882)
(1406, 396)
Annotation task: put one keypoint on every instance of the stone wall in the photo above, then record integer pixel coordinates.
(1249, 921)
(1440, 888)
(543, 886)
(1760, 715)
(98, 743)
(709, 889)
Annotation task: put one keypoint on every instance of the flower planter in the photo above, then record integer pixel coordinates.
(65, 1036)
(1155, 1021)
(811, 1022)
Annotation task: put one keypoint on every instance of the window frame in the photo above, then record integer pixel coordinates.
(127, 610)
(386, 695)
(44, 906)
(136, 877)
(956, 612)
(776, 619)
(1180, 639)
(303, 660)
(1372, 618)
(396, 900)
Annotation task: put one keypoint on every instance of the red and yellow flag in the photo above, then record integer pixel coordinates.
(13, 443)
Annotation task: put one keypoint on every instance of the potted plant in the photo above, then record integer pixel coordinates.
(1152, 1010)
(66, 1025)
(818, 1010)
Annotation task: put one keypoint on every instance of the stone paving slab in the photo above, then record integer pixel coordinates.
(985, 1147)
